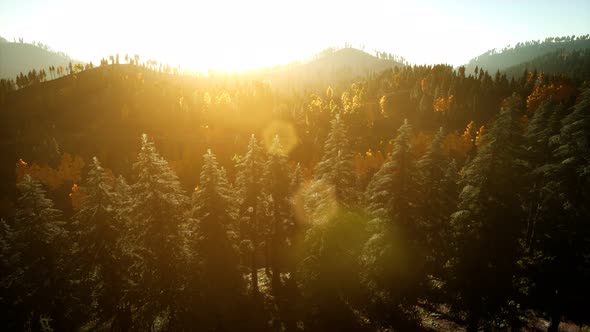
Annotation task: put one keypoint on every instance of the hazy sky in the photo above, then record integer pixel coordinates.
(240, 34)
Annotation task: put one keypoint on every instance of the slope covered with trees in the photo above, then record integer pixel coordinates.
(20, 57)
(493, 60)
(135, 198)
(573, 63)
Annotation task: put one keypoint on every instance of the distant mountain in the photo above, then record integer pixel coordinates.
(23, 57)
(572, 63)
(330, 67)
(494, 60)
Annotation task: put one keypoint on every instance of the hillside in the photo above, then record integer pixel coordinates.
(494, 60)
(22, 57)
(301, 157)
(574, 64)
(333, 68)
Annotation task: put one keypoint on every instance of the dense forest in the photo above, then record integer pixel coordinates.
(510, 56)
(134, 198)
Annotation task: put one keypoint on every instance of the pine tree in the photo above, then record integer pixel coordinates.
(100, 256)
(276, 183)
(544, 124)
(392, 192)
(392, 257)
(36, 254)
(561, 238)
(336, 167)
(157, 212)
(252, 205)
(214, 241)
(489, 222)
(437, 192)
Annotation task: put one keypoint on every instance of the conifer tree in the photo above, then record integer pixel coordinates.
(437, 198)
(214, 242)
(544, 124)
(100, 255)
(392, 257)
(157, 212)
(561, 238)
(489, 222)
(252, 205)
(276, 181)
(37, 269)
(336, 167)
(391, 193)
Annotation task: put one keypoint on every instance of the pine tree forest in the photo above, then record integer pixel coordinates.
(417, 198)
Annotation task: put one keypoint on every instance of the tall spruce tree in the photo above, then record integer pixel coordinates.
(276, 186)
(437, 178)
(489, 222)
(100, 256)
(336, 167)
(252, 206)
(214, 243)
(158, 210)
(37, 271)
(561, 238)
(393, 255)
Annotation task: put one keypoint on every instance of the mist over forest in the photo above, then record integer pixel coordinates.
(353, 191)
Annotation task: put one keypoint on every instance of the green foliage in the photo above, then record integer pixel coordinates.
(489, 221)
(101, 255)
(216, 279)
(336, 168)
(504, 234)
(158, 210)
(35, 247)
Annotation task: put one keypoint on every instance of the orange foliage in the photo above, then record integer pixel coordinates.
(442, 104)
(558, 91)
(369, 162)
(77, 196)
(471, 133)
(69, 170)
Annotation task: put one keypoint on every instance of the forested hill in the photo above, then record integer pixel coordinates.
(494, 60)
(571, 63)
(20, 57)
(417, 198)
(187, 115)
(329, 67)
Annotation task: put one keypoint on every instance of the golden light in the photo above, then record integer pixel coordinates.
(285, 131)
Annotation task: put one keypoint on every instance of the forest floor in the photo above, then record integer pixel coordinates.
(441, 322)
(438, 318)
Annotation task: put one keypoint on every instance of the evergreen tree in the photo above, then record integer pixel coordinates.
(561, 238)
(157, 212)
(437, 192)
(489, 222)
(336, 167)
(252, 205)
(215, 234)
(276, 181)
(330, 271)
(37, 270)
(100, 255)
(392, 193)
(544, 124)
(393, 256)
